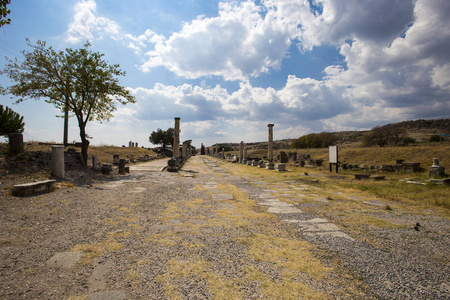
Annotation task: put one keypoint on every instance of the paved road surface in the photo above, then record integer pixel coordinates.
(201, 233)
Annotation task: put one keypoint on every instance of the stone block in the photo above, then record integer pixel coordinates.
(284, 157)
(281, 167)
(116, 159)
(361, 176)
(106, 168)
(411, 167)
(34, 188)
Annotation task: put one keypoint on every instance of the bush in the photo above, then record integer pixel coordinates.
(408, 140)
(436, 138)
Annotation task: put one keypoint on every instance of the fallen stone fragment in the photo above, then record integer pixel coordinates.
(64, 260)
(33, 188)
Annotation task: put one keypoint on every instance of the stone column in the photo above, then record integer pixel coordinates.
(172, 163)
(184, 151)
(122, 166)
(436, 170)
(94, 162)
(244, 160)
(176, 139)
(270, 165)
(241, 152)
(57, 163)
(15, 143)
(116, 159)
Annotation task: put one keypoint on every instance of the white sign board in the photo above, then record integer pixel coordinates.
(333, 154)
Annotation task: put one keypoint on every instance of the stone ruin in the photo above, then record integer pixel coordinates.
(400, 165)
(436, 170)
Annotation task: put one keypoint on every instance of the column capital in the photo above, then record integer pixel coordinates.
(270, 125)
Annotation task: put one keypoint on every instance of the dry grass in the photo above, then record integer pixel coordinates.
(354, 154)
(391, 189)
(104, 153)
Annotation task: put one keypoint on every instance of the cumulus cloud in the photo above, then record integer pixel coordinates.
(86, 25)
(238, 44)
(396, 64)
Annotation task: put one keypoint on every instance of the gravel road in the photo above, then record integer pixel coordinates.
(203, 233)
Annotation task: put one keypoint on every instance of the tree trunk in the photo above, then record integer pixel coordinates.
(66, 125)
(84, 144)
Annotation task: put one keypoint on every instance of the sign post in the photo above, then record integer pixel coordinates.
(333, 150)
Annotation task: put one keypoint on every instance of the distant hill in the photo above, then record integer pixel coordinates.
(421, 130)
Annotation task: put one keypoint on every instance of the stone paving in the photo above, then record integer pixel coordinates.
(270, 196)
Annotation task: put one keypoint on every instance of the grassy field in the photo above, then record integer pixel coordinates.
(104, 153)
(394, 188)
(422, 153)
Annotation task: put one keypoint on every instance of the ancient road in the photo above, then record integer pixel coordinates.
(201, 233)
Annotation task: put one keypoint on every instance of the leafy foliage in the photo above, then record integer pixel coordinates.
(315, 140)
(10, 121)
(384, 135)
(77, 80)
(4, 11)
(162, 137)
(202, 150)
(436, 138)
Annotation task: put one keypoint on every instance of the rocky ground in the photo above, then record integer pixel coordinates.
(204, 233)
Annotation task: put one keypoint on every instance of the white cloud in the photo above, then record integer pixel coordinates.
(86, 25)
(397, 65)
(236, 45)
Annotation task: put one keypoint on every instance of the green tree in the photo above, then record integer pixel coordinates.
(315, 140)
(436, 138)
(162, 137)
(10, 121)
(202, 150)
(4, 11)
(79, 80)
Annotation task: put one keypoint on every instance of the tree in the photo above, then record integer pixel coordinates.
(315, 140)
(202, 150)
(161, 137)
(395, 134)
(4, 11)
(10, 121)
(78, 80)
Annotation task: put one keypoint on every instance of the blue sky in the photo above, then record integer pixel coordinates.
(229, 68)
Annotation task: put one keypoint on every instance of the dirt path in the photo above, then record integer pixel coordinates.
(201, 233)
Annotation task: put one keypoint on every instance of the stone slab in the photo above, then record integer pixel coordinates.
(181, 229)
(316, 227)
(376, 203)
(322, 200)
(353, 198)
(209, 186)
(265, 196)
(219, 197)
(161, 228)
(196, 221)
(108, 295)
(276, 204)
(33, 188)
(284, 210)
(138, 190)
(64, 260)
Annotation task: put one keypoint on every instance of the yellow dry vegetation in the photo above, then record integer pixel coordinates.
(95, 250)
(288, 254)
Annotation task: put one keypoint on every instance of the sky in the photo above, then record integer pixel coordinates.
(229, 68)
